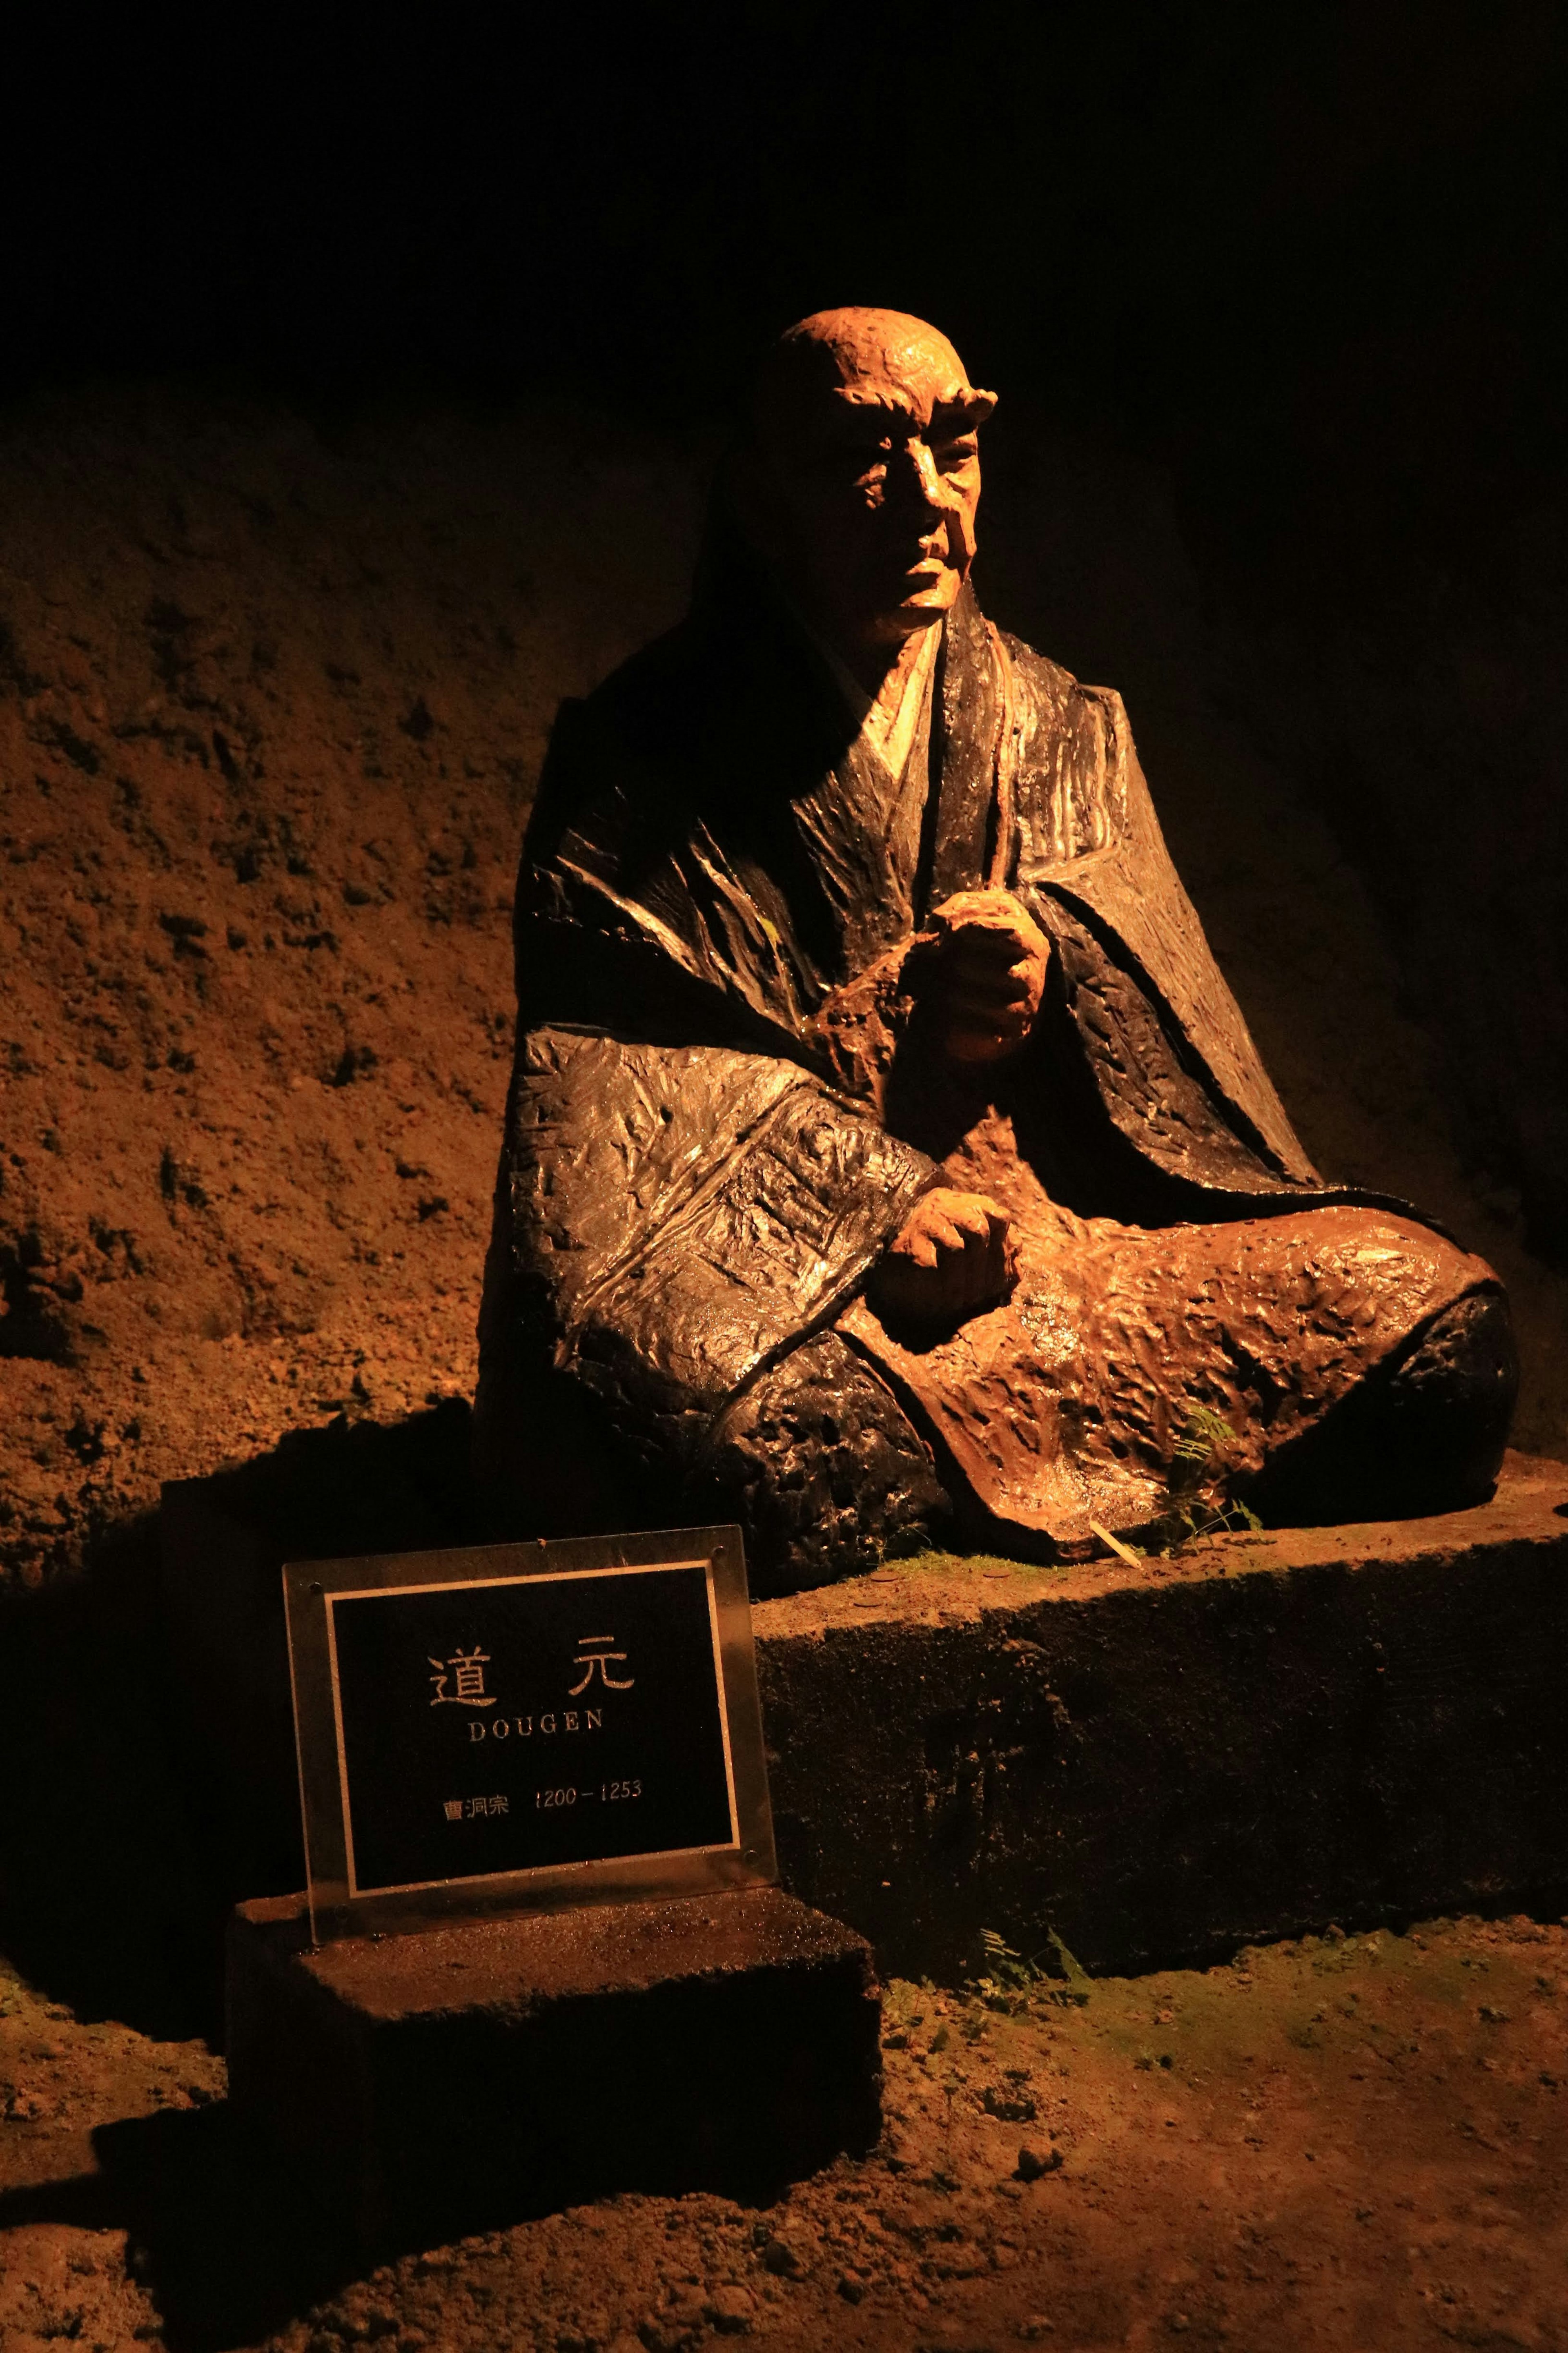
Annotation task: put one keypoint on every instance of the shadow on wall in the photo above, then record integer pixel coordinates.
(222, 2238)
(146, 1745)
(1325, 909)
(98, 1884)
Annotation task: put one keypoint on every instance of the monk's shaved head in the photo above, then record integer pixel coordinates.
(860, 476)
(866, 358)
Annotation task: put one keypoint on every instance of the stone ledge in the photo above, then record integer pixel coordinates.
(1157, 1760)
(1166, 1759)
(428, 2085)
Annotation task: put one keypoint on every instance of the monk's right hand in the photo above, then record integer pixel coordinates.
(956, 1255)
(988, 974)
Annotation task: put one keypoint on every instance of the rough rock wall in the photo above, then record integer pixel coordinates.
(1428, 720)
(272, 699)
(270, 709)
(1085, 547)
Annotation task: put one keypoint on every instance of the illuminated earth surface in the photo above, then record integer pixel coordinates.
(273, 696)
(1340, 2144)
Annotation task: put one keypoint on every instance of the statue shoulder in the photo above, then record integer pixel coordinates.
(1055, 692)
(1074, 760)
(608, 749)
(645, 706)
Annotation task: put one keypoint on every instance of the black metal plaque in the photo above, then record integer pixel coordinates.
(526, 1723)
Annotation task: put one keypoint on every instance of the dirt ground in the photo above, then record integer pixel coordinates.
(1343, 2144)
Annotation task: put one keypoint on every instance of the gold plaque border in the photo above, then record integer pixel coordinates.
(337, 1910)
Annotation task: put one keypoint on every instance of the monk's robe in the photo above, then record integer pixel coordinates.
(730, 1090)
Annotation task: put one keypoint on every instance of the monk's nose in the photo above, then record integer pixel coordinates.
(918, 479)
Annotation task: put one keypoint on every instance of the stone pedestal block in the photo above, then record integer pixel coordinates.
(428, 2085)
(1161, 1760)
(1158, 1760)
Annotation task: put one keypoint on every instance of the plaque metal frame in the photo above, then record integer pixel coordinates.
(309, 1591)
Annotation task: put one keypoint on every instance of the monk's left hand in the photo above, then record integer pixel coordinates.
(989, 974)
(956, 1255)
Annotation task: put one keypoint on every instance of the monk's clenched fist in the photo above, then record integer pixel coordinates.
(986, 976)
(955, 1256)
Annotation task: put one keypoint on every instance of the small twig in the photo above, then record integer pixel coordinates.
(1122, 1552)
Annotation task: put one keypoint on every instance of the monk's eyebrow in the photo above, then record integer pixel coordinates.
(859, 403)
(959, 413)
(962, 413)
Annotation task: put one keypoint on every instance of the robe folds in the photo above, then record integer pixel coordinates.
(727, 1097)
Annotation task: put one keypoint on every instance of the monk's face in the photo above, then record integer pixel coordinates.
(865, 475)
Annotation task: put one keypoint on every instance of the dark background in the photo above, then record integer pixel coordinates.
(1305, 259)
(1185, 221)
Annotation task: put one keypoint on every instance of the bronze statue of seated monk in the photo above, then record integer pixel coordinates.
(886, 1162)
